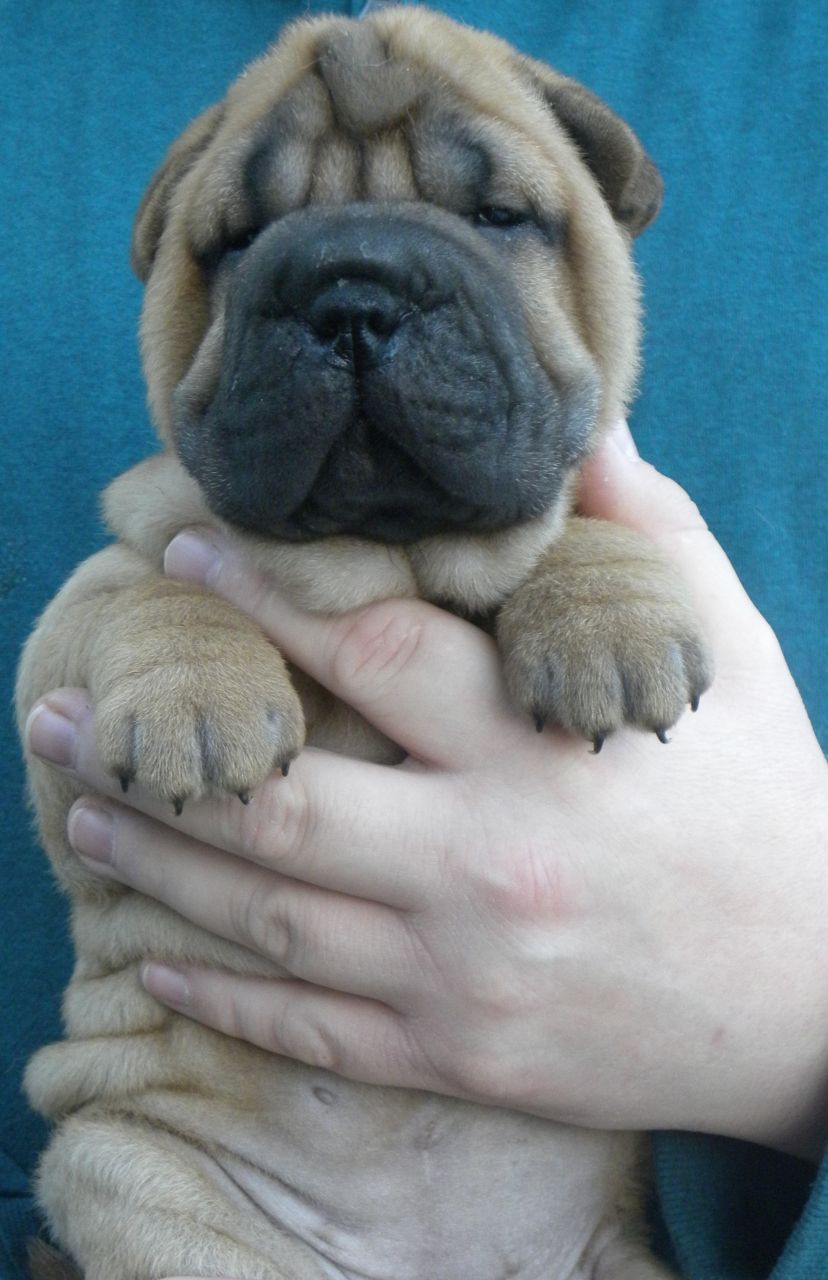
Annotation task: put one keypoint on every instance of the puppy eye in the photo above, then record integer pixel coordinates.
(490, 215)
(240, 241)
(225, 251)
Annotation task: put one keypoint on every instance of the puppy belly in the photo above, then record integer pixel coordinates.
(430, 1190)
(366, 1182)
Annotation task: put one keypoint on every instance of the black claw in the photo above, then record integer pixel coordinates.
(597, 743)
(285, 768)
(178, 805)
(661, 734)
(244, 796)
(540, 723)
(124, 780)
(694, 702)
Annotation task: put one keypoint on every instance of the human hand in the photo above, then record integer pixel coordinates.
(630, 941)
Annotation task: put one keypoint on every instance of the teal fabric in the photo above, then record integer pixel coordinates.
(731, 98)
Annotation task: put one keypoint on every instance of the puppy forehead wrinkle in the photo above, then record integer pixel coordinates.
(451, 165)
(220, 202)
(336, 171)
(369, 89)
(387, 171)
(277, 171)
(361, 80)
(303, 112)
(281, 176)
(487, 75)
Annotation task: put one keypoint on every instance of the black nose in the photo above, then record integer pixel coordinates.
(357, 319)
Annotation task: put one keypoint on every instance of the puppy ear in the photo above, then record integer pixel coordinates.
(152, 211)
(630, 182)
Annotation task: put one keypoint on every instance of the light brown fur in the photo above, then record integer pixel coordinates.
(141, 1179)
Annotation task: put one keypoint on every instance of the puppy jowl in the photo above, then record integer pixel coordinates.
(390, 307)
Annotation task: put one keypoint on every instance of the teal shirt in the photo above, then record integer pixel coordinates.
(731, 99)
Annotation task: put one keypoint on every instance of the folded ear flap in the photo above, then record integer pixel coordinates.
(152, 211)
(630, 182)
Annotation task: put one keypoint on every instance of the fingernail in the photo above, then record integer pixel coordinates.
(91, 831)
(621, 437)
(51, 733)
(167, 985)
(192, 557)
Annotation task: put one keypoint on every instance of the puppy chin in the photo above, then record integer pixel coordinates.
(365, 484)
(398, 509)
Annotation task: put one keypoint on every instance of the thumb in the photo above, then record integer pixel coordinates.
(618, 485)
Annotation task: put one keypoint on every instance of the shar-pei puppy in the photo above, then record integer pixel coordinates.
(390, 307)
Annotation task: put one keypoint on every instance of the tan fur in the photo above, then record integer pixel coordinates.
(601, 602)
(161, 1124)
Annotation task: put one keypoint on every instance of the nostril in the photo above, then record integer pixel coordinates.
(329, 322)
(356, 319)
(382, 322)
(344, 342)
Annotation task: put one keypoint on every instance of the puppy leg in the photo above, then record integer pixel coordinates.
(190, 698)
(601, 634)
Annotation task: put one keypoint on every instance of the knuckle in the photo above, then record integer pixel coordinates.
(765, 642)
(292, 1031)
(274, 828)
(325, 1049)
(239, 582)
(259, 921)
(234, 1020)
(688, 515)
(499, 996)
(682, 512)
(526, 885)
(372, 647)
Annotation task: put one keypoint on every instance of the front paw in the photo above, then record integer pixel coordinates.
(613, 644)
(215, 720)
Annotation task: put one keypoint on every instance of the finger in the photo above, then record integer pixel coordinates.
(350, 1036)
(618, 485)
(430, 681)
(340, 942)
(338, 823)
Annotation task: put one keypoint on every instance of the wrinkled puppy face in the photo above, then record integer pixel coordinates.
(387, 297)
